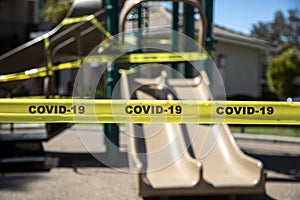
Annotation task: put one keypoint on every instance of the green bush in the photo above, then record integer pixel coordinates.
(282, 71)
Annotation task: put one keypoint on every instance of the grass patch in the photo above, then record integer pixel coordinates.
(288, 131)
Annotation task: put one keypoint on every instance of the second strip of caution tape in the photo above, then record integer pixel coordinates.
(126, 58)
(144, 111)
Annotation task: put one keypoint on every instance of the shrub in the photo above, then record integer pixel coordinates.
(282, 71)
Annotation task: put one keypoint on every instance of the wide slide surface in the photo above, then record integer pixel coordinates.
(186, 159)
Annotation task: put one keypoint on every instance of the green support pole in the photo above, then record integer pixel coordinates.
(209, 42)
(175, 20)
(208, 10)
(112, 130)
(140, 22)
(189, 31)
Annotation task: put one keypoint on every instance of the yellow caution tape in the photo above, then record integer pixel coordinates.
(39, 72)
(73, 20)
(145, 111)
(148, 57)
(32, 73)
(132, 40)
(96, 23)
(48, 71)
(48, 55)
(90, 18)
(41, 97)
(68, 65)
(161, 57)
(100, 27)
(126, 58)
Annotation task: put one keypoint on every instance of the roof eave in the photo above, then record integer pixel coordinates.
(246, 43)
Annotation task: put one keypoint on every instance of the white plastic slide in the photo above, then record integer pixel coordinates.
(186, 159)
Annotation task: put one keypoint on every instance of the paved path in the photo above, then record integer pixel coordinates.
(77, 175)
(282, 164)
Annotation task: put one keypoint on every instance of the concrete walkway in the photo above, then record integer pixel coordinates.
(75, 174)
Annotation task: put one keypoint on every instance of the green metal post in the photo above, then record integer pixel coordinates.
(209, 42)
(175, 20)
(140, 19)
(140, 22)
(208, 10)
(112, 130)
(189, 31)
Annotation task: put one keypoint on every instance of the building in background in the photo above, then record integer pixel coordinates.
(242, 63)
(240, 58)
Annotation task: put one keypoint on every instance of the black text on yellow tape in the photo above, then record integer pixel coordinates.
(144, 111)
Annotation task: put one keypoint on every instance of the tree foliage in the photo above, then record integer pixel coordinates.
(54, 11)
(283, 69)
(283, 30)
(284, 65)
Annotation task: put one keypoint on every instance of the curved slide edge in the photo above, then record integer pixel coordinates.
(225, 169)
(162, 157)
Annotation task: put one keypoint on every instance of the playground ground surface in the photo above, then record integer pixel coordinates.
(285, 131)
(77, 175)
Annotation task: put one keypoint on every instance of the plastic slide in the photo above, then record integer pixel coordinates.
(186, 159)
(64, 43)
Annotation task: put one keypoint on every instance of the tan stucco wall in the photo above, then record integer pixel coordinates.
(242, 71)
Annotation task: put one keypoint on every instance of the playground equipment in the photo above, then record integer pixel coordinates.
(72, 39)
(185, 172)
(217, 167)
(130, 5)
(158, 153)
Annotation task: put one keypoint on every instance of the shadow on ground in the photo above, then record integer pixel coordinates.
(283, 164)
(77, 160)
(225, 197)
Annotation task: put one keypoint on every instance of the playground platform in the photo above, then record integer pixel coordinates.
(75, 174)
